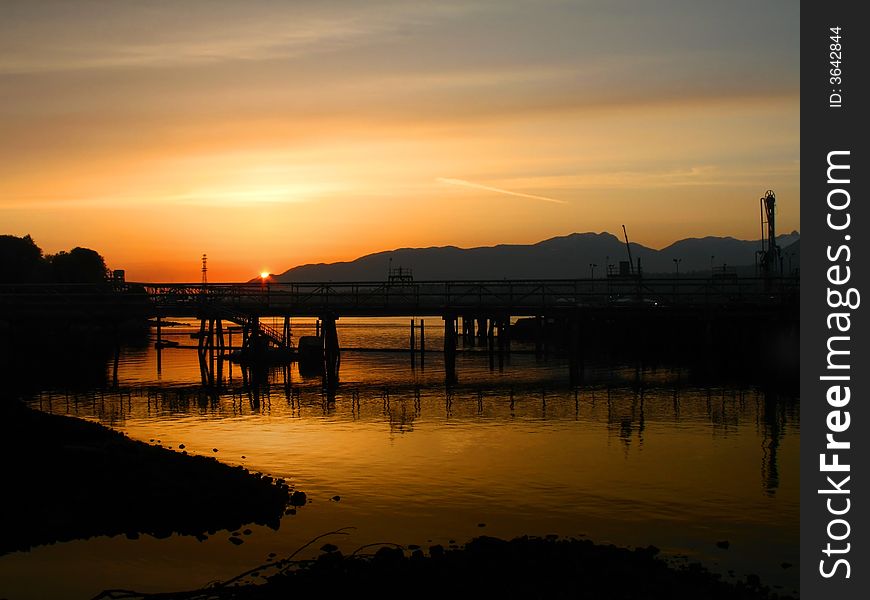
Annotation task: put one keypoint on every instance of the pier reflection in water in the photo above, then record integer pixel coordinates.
(632, 456)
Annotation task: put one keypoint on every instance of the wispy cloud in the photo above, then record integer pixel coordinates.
(489, 188)
(231, 196)
(73, 39)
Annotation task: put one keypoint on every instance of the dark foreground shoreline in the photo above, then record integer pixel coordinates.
(486, 567)
(66, 479)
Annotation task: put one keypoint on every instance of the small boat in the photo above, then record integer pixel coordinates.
(310, 355)
(166, 344)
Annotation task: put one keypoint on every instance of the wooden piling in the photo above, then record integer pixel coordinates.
(450, 348)
(220, 338)
(159, 346)
(331, 350)
(412, 346)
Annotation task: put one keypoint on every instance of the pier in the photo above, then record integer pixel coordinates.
(471, 312)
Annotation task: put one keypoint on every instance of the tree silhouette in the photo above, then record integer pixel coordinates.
(79, 265)
(21, 260)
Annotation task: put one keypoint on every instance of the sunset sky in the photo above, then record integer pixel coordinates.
(275, 133)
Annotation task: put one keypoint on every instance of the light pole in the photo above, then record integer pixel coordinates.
(677, 262)
(711, 263)
(592, 270)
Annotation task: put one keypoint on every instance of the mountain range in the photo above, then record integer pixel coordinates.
(564, 257)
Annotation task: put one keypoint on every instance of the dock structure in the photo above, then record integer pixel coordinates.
(473, 312)
(479, 312)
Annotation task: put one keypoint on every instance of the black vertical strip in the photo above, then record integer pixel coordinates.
(832, 121)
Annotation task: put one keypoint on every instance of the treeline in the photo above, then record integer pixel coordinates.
(22, 261)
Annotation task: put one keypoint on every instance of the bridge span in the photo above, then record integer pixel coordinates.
(442, 298)
(482, 309)
(579, 308)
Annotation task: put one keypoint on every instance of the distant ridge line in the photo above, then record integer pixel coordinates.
(577, 255)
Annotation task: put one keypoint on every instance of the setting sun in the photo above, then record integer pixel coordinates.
(533, 310)
(385, 133)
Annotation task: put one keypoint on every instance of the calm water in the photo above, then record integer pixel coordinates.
(634, 456)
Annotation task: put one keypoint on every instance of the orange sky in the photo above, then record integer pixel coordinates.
(270, 134)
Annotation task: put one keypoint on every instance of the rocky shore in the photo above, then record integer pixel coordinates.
(65, 479)
(68, 479)
(486, 567)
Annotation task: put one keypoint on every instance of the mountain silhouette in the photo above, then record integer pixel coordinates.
(565, 257)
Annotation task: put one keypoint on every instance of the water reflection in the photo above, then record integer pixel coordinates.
(637, 454)
(624, 407)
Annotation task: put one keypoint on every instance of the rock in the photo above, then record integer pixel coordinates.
(247, 532)
(290, 511)
(481, 524)
(298, 499)
(336, 498)
(243, 456)
(181, 446)
(214, 449)
(237, 541)
(436, 551)
(388, 554)
(413, 546)
(724, 544)
(329, 547)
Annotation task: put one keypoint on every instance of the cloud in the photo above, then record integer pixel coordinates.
(478, 186)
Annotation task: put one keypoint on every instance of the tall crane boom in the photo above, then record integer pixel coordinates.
(770, 252)
(628, 247)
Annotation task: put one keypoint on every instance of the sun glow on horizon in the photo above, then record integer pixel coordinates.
(366, 131)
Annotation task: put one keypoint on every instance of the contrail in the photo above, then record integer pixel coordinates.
(479, 186)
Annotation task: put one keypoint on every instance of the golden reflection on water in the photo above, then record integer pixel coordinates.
(633, 457)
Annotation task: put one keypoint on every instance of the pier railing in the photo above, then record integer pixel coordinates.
(511, 296)
(515, 297)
